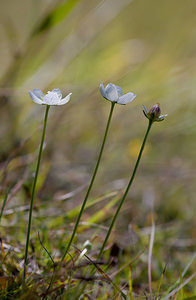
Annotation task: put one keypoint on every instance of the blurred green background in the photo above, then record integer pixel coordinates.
(146, 47)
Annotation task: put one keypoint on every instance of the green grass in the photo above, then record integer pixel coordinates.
(146, 47)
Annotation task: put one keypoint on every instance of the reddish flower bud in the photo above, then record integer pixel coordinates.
(154, 114)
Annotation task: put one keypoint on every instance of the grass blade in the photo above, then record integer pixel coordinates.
(4, 202)
(172, 293)
(56, 15)
(130, 285)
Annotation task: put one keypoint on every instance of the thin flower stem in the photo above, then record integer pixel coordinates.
(92, 181)
(126, 191)
(33, 192)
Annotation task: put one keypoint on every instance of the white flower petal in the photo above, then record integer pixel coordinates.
(38, 93)
(51, 98)
(35, 98)
(58, 91)
(145, 109)
(127, 98)
(102, 90)
(119, 90)
(64, 100)
(162, 117)
(111, 92)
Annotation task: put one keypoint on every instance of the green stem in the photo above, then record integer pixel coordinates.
(126, 191)
(33, 192)
(92, 181)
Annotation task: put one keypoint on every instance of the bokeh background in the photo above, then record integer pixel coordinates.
(146, 47)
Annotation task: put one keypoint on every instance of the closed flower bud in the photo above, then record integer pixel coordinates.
(155, 111)
(154, 114)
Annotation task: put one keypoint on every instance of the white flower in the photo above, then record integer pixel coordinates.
(51, 98)
(114, 93)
